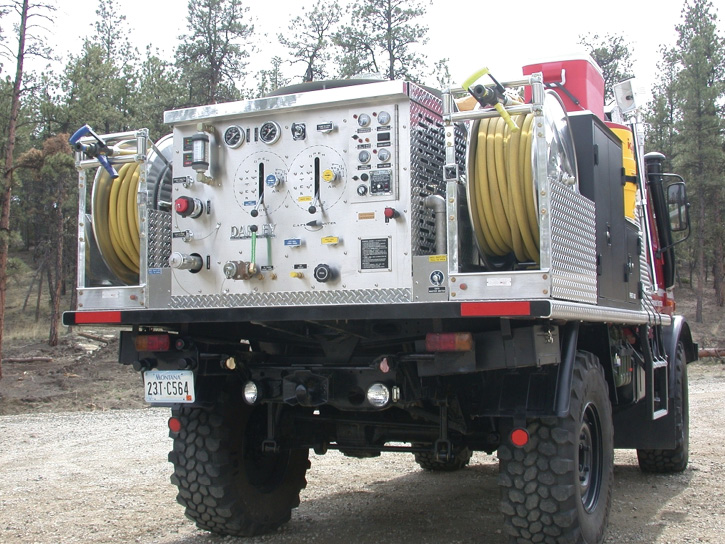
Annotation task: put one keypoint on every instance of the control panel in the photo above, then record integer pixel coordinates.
(294, 194)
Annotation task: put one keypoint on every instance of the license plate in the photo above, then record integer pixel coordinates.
(169, 386)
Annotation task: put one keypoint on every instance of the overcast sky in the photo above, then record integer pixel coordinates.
(501, 35)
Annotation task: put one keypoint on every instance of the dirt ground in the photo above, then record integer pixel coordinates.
(83, 460)
(102, 477)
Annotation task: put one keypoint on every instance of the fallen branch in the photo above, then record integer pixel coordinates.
(28, 360)
(711, 352)
(93, 337)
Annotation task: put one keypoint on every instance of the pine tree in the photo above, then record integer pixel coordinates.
(700, 156)
(309, 39)
(212, 56)
(379, 39)
(613, 55)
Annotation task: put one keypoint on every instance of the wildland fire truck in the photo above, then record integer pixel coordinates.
(374, 266)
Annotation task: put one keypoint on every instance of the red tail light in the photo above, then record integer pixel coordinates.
(153, 342)
(449, 341)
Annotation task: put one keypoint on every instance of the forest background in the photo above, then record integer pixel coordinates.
(112, 86)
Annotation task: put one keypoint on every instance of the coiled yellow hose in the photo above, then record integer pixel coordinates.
(115, 220)
(501, 189)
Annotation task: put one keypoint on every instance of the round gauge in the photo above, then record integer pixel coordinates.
(383, 155)
(384, 118)
(234, 136)
(364, 156)
(363, 120)
(269, 132)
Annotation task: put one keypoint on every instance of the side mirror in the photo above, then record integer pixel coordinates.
(678, 207)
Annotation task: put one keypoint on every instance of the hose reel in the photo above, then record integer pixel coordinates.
(503, 185)
(115, 213)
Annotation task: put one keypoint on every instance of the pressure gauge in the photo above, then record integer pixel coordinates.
(383, 155)
(269, 132)
(364, 156)
(384, 118)
(363, 120)
(234, 136)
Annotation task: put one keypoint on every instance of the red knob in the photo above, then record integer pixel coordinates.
(182, 204)
(390, 213)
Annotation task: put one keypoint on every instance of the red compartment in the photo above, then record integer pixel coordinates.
(582, 78)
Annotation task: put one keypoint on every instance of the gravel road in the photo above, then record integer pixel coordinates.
(102, 477)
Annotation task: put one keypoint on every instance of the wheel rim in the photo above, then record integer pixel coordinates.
(590, 458)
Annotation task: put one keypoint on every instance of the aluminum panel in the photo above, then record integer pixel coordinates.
(603, 314)
(302, 298)
(427, 157)
(573, 246)
(159, 223)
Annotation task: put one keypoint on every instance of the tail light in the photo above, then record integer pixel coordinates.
(449, 341)
(152, 342)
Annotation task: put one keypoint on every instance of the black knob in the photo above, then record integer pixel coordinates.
(323, 273)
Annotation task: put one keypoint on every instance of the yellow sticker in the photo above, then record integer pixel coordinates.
(304, 198)
(330, 240)
(365, 215)
(437, 258)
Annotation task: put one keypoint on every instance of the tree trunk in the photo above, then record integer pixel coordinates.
(700, 256)
(40, 293)
(7, 182)
(57, 287)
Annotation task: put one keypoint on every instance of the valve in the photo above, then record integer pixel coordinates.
(181, 261)
(490, 96)
(323, 273)
(239, 270)
(98, 150)
(390, 213)
(187, 206)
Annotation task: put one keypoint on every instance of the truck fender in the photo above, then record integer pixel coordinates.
(678, 331)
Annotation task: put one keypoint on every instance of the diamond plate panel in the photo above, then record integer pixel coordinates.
(159, 239)
(301, 298)
(573, 246)
(427, 157)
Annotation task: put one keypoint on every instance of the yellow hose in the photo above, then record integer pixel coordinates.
(502, 191)
(115, 220)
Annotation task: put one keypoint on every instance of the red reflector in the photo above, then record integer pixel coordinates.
(449, 341)
(519, 437)
(152, 342)
(97, 317)
(174, 425)
(474, 309)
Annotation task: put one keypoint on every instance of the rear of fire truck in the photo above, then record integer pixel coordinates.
(377, 267)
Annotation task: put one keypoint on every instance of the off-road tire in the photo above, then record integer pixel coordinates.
(674, 460)
(428, 461)
(225, 482)
(547, 493)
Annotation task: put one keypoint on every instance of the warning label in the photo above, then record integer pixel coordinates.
(374, 254)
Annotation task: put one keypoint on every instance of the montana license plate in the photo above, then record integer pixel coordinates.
(169, 386)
